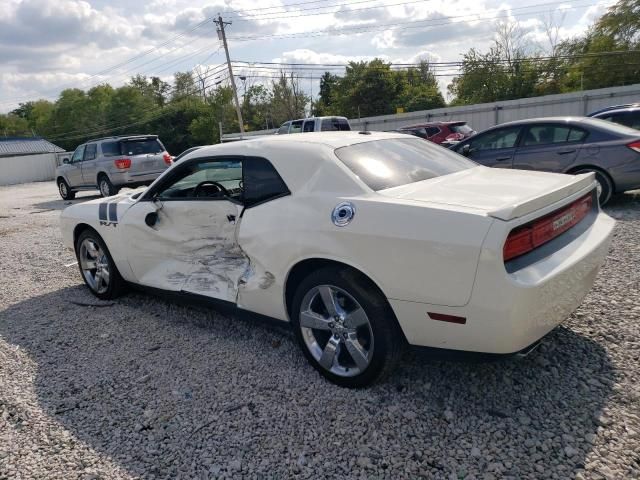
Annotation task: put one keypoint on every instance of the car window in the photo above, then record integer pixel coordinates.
(203, 180)
(334, 125)
(545, 135)
(283, 128)
(495, 139)
(78, 154)
(110, 149)
(628, 119)
(418, 132)
(90, 152)
(261, 182)
(431, 131)
(141, 147)
(398, 161)
(577, 135)
(296, 126)
(463, 129)
(309, 126)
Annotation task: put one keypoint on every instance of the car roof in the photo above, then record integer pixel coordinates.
(333, 139)
(571, 120)
(626, 106)
(435, 124)
(122, 137)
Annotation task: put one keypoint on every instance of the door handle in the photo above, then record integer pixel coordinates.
(566, 152)
(502, 159)
(231, 218)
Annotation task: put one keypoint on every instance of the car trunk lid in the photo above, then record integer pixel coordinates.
(499, 193)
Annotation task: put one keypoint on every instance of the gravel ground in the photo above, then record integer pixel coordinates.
(142, 388)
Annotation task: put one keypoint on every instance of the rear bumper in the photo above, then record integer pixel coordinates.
(626, 177)
(507, 312)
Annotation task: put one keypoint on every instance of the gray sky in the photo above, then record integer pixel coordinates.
(48, 45)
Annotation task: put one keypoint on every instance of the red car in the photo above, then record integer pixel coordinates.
(440, 132)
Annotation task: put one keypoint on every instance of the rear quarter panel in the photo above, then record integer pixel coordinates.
(410, 251)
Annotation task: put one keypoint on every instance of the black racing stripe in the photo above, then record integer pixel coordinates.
(102, 211)
(113, 212)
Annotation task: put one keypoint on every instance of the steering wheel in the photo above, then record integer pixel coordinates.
(199, 187)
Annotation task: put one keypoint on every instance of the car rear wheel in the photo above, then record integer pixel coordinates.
(345, 327)
(605, 186)
(65, 191)
(107, 189)
(97, 267)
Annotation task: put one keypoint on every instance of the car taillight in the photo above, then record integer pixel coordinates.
(530, 236)
(122, 163)
(167, 159)
(635, 146)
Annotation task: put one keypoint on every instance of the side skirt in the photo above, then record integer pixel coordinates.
(231, 309)
(222, 306)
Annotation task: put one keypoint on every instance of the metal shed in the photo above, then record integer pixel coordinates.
(27, 159)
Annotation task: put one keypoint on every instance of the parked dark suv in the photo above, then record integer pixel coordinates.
(564, 145)
(111, 163)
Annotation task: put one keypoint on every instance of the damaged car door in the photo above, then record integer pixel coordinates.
(182, 235)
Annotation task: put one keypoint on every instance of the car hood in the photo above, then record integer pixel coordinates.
(499, 193)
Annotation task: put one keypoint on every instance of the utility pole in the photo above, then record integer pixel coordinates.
(221, 24)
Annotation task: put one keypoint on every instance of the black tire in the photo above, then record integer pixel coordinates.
(65, 191)
(107, 189)
(116, 283)
(388, 341)
(606, 185)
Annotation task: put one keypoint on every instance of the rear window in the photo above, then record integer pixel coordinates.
(334, 125)
(463, 129)
(398, 161)
(141, 147)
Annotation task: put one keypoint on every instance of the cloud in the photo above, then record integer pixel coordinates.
(40, 23)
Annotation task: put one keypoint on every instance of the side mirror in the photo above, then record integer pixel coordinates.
(466, 150)
(65, 160)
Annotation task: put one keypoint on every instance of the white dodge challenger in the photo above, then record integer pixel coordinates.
(363, 241)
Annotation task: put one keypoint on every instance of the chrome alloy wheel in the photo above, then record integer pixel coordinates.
(95, 265)
(63, 189)
(336, 330)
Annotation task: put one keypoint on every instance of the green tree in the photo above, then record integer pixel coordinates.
(12, 125)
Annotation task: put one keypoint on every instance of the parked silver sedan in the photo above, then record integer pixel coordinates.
(563, 145)
(110, 163)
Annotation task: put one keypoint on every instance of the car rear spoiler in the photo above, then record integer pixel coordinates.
(575, 184)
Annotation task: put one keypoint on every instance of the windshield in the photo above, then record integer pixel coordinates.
(464, 129)
(398, 161)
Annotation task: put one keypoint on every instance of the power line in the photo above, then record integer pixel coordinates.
(330, 12)
(402, 25)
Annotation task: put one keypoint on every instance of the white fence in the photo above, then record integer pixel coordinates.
(485, 115)
(27, 168)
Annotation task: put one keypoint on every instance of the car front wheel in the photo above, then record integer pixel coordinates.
(97, 266)
(65, 191)
(345, 327)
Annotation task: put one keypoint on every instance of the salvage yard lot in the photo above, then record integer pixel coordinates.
(143, 388)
